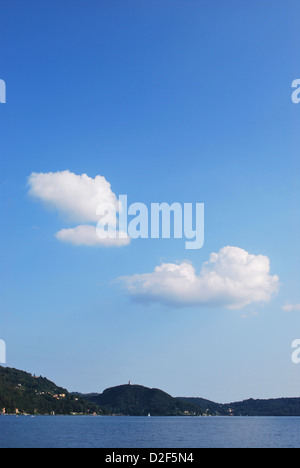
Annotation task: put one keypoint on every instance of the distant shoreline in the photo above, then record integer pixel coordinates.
(215, 416)
(24, 394)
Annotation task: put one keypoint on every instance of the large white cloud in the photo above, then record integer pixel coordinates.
(77, 198)
(232, 278)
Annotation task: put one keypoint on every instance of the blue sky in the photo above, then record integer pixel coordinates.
(186, 101)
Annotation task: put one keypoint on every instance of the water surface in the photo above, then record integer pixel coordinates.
(154, 432)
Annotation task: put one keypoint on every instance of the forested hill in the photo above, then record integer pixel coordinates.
(21, 392)
(136, 400)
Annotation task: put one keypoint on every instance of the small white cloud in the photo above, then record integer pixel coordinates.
(291, 307)
(86, 235)
(232, 278)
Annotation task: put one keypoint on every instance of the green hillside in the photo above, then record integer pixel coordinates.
(21, 391)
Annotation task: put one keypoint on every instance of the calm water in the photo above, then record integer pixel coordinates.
(137, 432)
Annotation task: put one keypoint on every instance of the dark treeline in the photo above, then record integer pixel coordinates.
(21, 392)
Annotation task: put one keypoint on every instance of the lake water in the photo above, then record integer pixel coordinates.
(154, 432)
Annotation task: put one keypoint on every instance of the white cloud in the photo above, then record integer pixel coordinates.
(291, 307)
(87, 235)
(232, 278)
(78, 198)
(75, 196)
